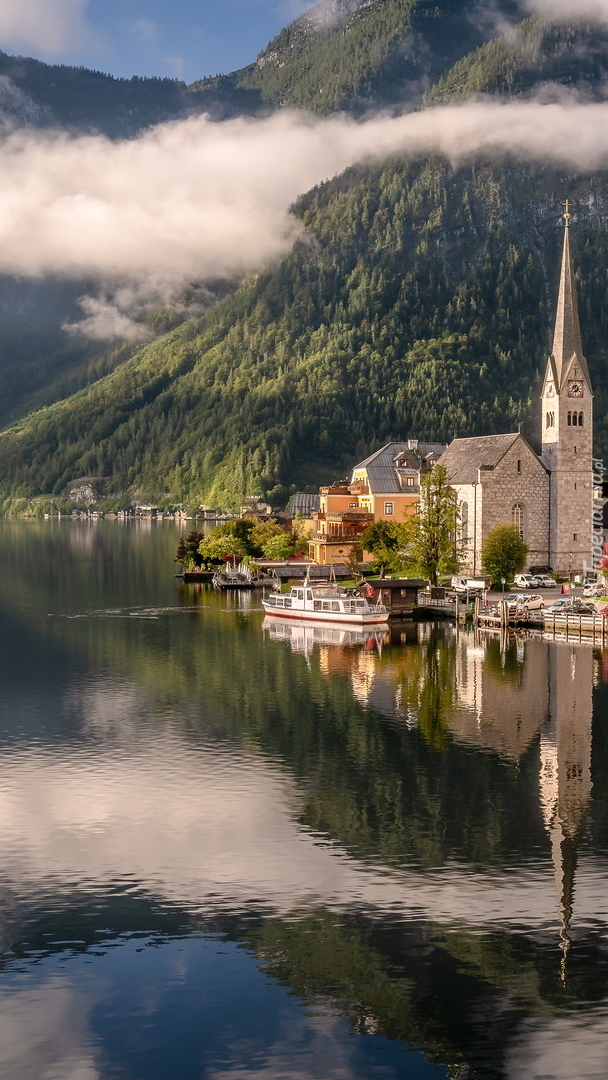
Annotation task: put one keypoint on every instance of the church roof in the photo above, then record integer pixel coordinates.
(382, 469)
(464, 457)
(567, 340)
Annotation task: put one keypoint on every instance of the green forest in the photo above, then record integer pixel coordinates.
(418, 304)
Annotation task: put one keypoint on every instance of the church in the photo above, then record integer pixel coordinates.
(548, 498)
(498, 478)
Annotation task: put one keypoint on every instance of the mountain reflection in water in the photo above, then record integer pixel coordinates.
(234, 848)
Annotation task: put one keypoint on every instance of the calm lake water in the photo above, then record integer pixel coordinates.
(235, 851)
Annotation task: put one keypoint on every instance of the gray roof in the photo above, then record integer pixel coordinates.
(464, 457)
(382, 472)
(314, 572)
(303, 503)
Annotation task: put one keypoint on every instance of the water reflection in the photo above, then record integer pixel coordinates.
(407, 830)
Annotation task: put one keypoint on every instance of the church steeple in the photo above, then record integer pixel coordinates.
(567, 341)
(567, 436)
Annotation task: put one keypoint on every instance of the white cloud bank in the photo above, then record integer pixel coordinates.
(569, 9)
(44, 26)
(195, 199)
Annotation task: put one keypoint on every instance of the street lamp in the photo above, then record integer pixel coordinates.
(502, 582)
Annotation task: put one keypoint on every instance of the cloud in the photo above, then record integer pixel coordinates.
(106, 318)
(566, 9)
(145, 30)
(46, 26)
(193, 200)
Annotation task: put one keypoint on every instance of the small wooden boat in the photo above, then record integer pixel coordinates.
(328, 602)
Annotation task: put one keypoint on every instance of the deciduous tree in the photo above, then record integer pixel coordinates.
(432, 545)
(503, 553)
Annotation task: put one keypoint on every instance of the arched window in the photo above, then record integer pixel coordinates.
(518, 518)
(569, 419)
(464, 522)
(580, 419)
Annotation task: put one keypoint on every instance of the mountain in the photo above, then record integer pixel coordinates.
(353, 54)
(418, 303)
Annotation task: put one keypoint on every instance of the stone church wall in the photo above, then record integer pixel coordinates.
(505, 486)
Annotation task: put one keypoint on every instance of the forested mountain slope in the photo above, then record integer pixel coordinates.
(411, 40)
(419, 303)
(351, 54)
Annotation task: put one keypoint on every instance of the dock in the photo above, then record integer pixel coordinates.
(568, 627)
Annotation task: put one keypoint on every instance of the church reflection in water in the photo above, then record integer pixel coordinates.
(498, 696)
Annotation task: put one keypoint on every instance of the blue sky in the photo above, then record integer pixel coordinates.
(179, 38)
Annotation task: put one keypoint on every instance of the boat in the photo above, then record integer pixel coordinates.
(328, 602)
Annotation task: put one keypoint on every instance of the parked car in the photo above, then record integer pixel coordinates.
(533, 603)
(545, 581)
(594, 589)
(560, 607)
(525, 581)
(570, 606)
(579, 608)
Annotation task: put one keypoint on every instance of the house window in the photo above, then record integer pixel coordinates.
(389, 509)
(518, 518)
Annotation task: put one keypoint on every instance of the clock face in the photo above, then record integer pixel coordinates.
(575, 389)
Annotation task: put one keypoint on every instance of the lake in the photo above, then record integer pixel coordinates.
(230, 850)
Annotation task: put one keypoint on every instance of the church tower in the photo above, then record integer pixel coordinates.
(567, 431)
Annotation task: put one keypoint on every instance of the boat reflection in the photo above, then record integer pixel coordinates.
(305, 637)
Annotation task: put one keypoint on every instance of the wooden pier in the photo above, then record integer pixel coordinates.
(569, 627)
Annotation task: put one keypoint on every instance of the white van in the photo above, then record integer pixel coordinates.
(525, 581)
(468, 584)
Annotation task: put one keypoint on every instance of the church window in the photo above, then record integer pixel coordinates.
(580, 419)
(464, 522)
(517, 518)
(575, 536)
(519, 464)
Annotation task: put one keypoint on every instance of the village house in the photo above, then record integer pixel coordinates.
(383, 487)
(548, 497)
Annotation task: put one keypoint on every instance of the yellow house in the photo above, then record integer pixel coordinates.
(384, 487)
(338, 523)
(388, 481)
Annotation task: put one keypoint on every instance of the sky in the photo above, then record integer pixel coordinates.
(184, 39)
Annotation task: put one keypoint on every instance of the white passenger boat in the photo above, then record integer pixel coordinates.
(327, 602)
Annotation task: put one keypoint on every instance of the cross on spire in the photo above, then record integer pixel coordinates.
(567, 215)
